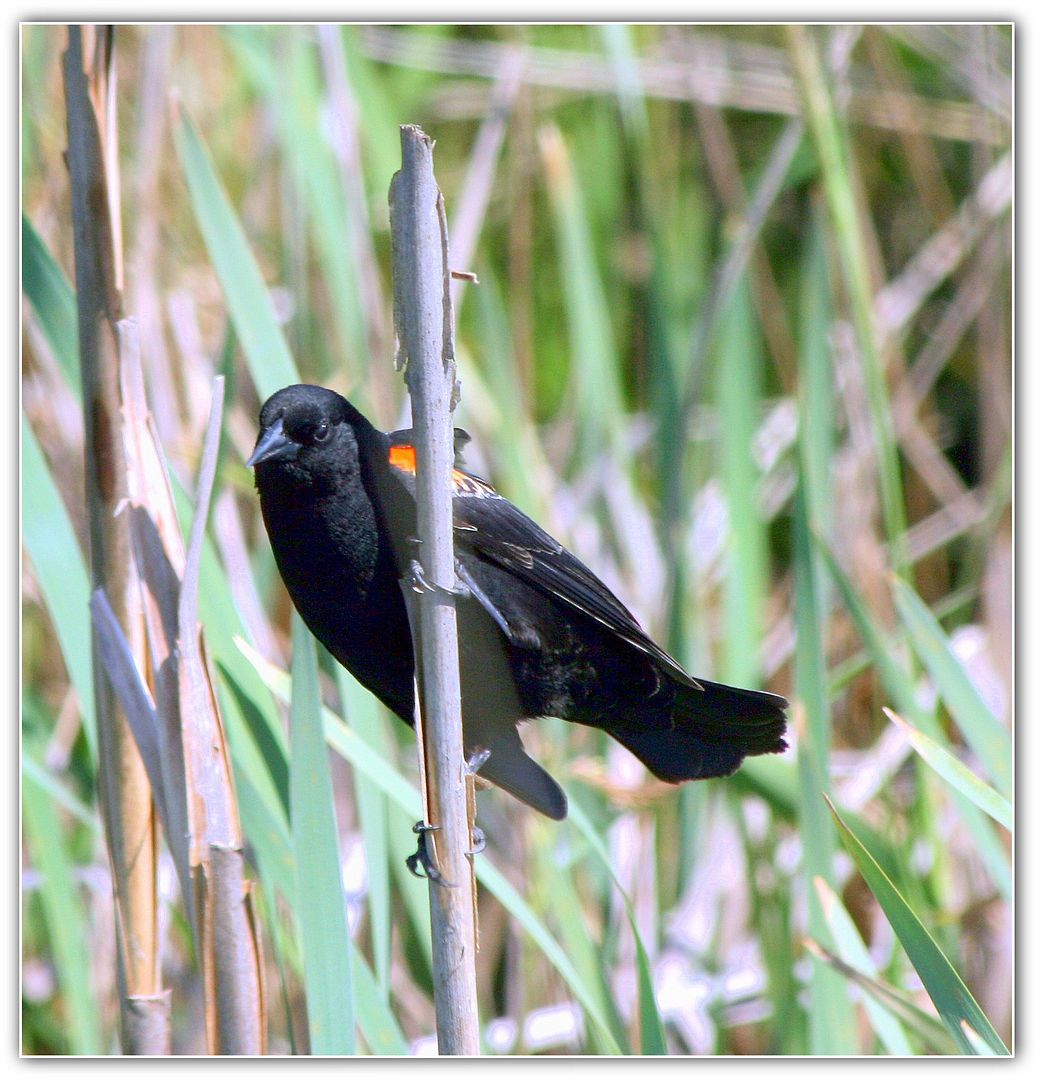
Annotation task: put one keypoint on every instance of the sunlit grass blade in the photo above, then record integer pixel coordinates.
(952, 999)
(267, 750)
(831, 1020)
(248, 300)
(816, 437)
(898, 684)
(593, 359)
(897, 1004)
(852, 949)
(269, 835)
(985, 735)
(65, 917)
(651, 1026)
(53, 300)
(60, 572)
(652, 1040)
(956, 774)
(320, 905)
(346, 742)
(829, 134)
(893, 675)
(361, 711)
(981, 1048)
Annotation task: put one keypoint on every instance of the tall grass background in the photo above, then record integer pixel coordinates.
(742, 340)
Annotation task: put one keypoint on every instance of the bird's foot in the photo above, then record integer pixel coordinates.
(476, 760)
(473, 763)
(423, 856)
(418, 582)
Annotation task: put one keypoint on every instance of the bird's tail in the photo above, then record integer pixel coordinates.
(711, 731)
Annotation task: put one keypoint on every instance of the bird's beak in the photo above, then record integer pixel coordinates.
(274, 445)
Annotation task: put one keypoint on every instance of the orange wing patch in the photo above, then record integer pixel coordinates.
(403, 457)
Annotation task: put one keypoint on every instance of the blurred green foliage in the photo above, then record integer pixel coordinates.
(742, 341)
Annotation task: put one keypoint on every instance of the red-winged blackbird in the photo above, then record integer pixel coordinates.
(539, 633)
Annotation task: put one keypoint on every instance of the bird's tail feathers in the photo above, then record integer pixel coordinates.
(712, 731)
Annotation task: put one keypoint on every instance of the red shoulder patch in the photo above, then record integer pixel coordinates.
(403, 457)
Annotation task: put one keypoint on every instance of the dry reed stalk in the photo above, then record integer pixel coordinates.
(125, 795)
(422, 316)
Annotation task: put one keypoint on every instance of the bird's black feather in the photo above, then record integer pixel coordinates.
(539, 633)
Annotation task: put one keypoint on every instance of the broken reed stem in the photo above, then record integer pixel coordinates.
(146, 628)
(422, 318)
(125, 794)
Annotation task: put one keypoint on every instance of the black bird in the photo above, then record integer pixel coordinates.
(539, 633)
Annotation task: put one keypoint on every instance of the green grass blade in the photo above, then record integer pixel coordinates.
(957, 775)
(60, 794)
(651, 1026)
(952, 999)
(285, 70)
(738, 375)
(248, 301)
(65, 917)
(829, 134)
(361, 711)
(60, 572)
(831, 1019)
(268, 834)
(593, 356)
(652, 1040)
(894, 677)
(383, 774)
(897, 1003)
(817, 404)
(378, 1025)
(320, 902)
(899, 685)
(983, 732)
(53, 300)
(584, 952)
(493, 879)
(275, 856)
(853, 951)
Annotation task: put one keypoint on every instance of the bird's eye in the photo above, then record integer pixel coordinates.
(321, 432)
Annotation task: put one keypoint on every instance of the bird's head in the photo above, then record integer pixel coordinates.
(308, 435)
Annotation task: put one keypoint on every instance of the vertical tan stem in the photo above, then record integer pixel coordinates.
(422, 314)
(124, 789)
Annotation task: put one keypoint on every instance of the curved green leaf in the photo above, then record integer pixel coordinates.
(952, 999)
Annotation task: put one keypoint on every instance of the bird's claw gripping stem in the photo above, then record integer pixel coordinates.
(476, 760)
(423, 857)
(418, 582)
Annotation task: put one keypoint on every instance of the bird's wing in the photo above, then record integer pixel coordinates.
(499, 533)
(503, 535)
